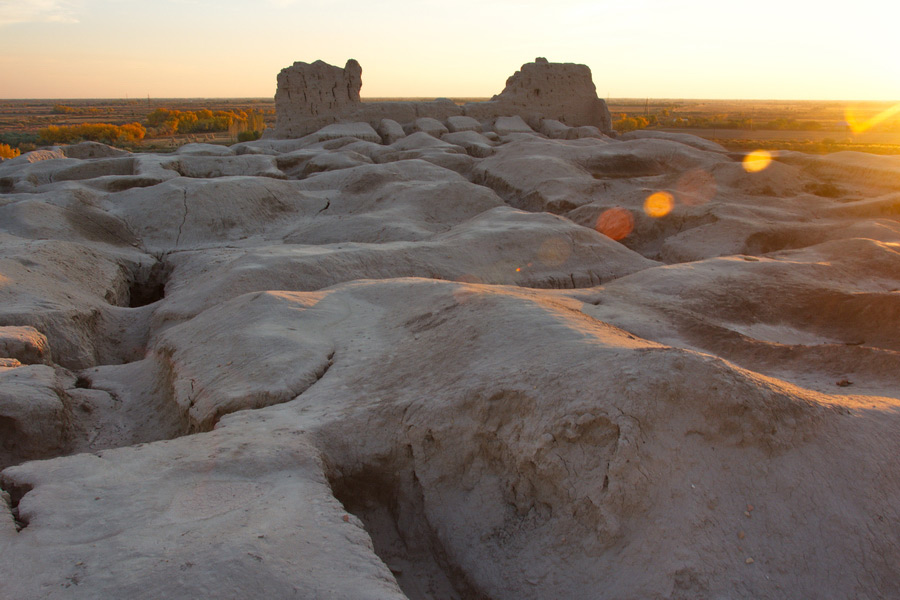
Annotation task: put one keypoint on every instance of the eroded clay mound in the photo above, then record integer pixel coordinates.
(448, 358)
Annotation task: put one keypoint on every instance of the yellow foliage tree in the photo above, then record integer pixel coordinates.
(168, 122)
(7, 152)
(626, 123)
(96, 132)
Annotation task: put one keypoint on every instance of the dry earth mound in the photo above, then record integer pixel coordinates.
(449, 358)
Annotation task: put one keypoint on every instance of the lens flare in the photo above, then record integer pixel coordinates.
(615, 223)
(757, 161)
(858, 126)
(554, 251)
(695, 187)
(659, 204)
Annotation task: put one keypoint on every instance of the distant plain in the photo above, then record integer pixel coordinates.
(806, 125)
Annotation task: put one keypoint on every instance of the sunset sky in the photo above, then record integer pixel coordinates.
(641, 48)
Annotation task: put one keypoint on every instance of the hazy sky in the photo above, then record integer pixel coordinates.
(636, 48)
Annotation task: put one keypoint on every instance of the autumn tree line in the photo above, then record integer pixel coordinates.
(163, 121)
(129, 133)
(624, 122)
(245, 125)
(65, 109)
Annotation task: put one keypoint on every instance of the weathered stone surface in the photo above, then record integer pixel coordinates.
(25, 344)
(475, 143)
(430, 126)
(508, 125)
(561, 91)
(33, 416)
(554, 129)
(198, 149)
(92, 150)
(390, 131)
(684, 138)
(462, 123)
(407, 112)
(585, 131)
(310, 96)
(201, 166)
(377, 374)
(359, 130)
(240, 517)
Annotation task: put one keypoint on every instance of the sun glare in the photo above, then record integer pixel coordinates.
(757, 161)
(659, 204)
(861, 126)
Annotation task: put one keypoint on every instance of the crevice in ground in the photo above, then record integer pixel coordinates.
(9, 433)
(14, 494)
(388, 498)
(324, 370)
(116, 406)
(149, 285)
(252, 402)
(184, 218)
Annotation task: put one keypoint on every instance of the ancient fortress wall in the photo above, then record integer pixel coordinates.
(310, 96)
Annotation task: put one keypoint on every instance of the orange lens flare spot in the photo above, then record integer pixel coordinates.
(659, 204)
(757, 161)
(615, 223)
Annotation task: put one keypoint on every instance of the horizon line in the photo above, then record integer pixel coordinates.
(466, 97)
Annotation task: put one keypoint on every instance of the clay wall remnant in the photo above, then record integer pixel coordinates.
(311, 96)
